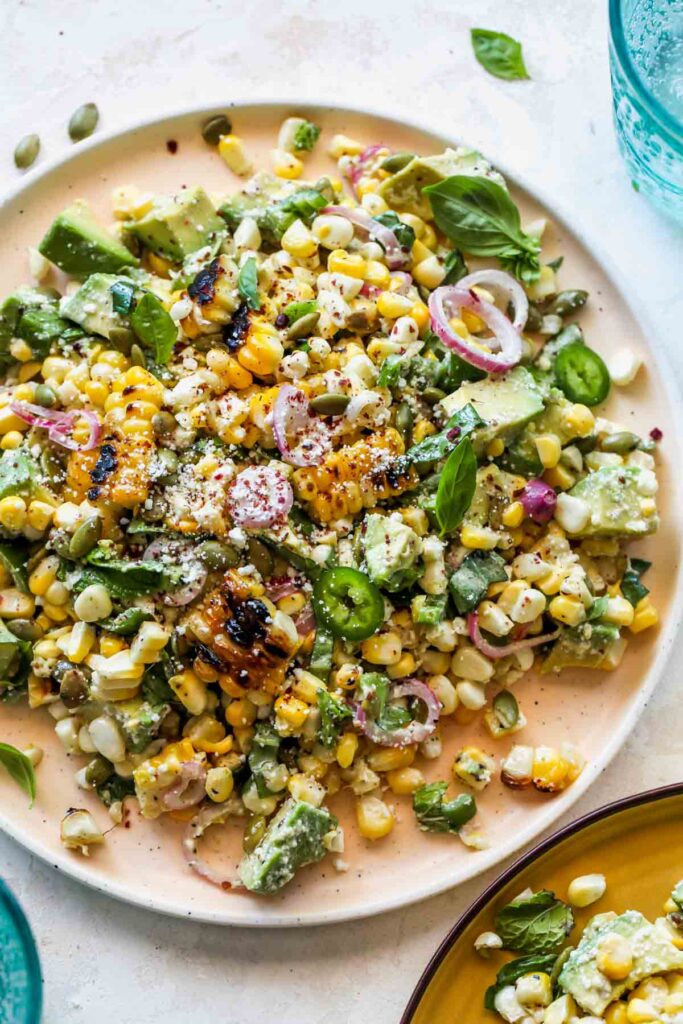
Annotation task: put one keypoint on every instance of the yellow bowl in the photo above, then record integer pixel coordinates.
(635, 843)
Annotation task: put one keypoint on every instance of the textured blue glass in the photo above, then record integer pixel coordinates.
(20, 982)
(646, 64)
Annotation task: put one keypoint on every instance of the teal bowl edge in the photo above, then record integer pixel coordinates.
(34, 1006)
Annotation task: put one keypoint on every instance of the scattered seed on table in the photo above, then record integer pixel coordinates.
(83, 122)
(26, 151)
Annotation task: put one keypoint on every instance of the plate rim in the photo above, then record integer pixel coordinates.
(280, 919)
(563, 833)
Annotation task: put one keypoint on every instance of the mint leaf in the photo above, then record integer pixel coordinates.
(539, 923)
(434, 814)
(333, 713)
(499, 54)
(154, 327)
(20, 768)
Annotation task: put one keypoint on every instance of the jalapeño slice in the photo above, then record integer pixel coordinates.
(582, 374)
(349, 604)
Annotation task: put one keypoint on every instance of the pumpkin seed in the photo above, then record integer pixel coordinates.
(26, 151)
(45, 396)
(330, 404)
(404, 423)
(163, 423)
(169, 462)
(261, 557)
(85, 538)
(122, 338)
(433, 395)
(73, 685)
(217, 556)
(506, 709)
(98, 771)
(215, 127)
(621, 442)
(137, 356)
(83, 122)
(302, 327)
(396, 162)
(25, 629)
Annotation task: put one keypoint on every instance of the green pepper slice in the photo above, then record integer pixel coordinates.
(348, 603)
(581, 374)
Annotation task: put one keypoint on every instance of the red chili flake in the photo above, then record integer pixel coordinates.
(656, 434)
(172, 146)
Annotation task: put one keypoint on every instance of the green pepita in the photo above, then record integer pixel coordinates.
(396, 162)
(85, 538)
(25, 629)
(98, 771)
(217, 556)
(26, 151)
(506, 709)
(433, 395)
(169, 463)
(404, 423)
(122, 338)
(534, 320)
(302, 327)
(137, 356)
(163, 423)
(215, 127)
(330, 404)
(621, 442)
(45, 396)
(83, 122)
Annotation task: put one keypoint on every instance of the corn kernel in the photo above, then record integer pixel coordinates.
(377, 274)
(298, 241)
(639, 1011)
(513, 515)
(351, 264)
(190, 690)
(549, 450)
(346, 749)
(645, 616)
(111, 645)
(619, 611)
(616, 1014)
(429, 272)
(13, 514)
(232, 151)
(586, 889)
(286, 165)
(393, 306)
(481, 538)
(16, 605)
(28, 371)
(495, 448)
(579, 420)
(559, 477)
(567, 609)
(384, 649)
(292, 604)
(40, 515)
(291, 710)
(404, 781)
(405, 666)
(219, 784)
(11, 441)
(375, 819)
(342, 145)
(420, 252)
(391, 758)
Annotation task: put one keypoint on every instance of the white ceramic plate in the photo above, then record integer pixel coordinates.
(143, 863)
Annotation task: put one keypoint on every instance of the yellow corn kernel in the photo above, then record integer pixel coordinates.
(190, 691)
(420, 314)
(292, 604)
(80, 642)
(384, 649)
(559, 477)
(428, 237)
(640, 1011)
(158, 265)
(616, 1014)
(342, 145)
(375, 819)
(291, 710)
(420, 252)
(219, 784)
(11, 441)
(391, 758)
(567, 609)
(40, 515)
(13, 514)
(346, 749)
(352, 264)
(423, 428)
(393, 306)
(347, 676)
(405, 666)
(263, 351)
(459, 327)
(549, 450)
(472, 322)
(24, 393)
(237, 376)
(645, 616)
(551, 583)
(110, 644)
(20, 350)
(480, 537)
(579, 420)
(495, 448)
(404, 781)
(286, 165)
(28, 371)
(377, 274)
(429, 272)
(673, 1003)
(513, 515)
(619, 611)
(298, 241)
(240, 713)
(416, 519)
(306, 687)
(550, 772)
(232, 151)
(56, 612)
(16, 605)
(509, 594)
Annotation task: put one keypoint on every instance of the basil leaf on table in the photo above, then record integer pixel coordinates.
(480, 218)
(515, 969)
(456, 486)
(247, 283)
(499, 54)
(405, 235)
(539, 923)
(20, 768)
(154, 327)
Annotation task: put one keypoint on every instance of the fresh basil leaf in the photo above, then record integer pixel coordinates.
(263, 756)
(456, 486)
(499, 54)
(125, 579)
(455, 267)
(123, 297)
(632, 587)
(389, 372)
(437, 446)
(295, 310)
(333, 713)
(539, 923)
(302, 521)
(394, 717)
(405, 235)
(471, 580)
(13, 558)
(247, 283)
(154, 327)
(126, 622)
(305, 136)
(597, 609)
(434, 814)
(20, 768)
(479, 216)
(321, 654)
(510, 972)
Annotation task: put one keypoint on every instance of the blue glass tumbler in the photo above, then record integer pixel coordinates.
(20, 981)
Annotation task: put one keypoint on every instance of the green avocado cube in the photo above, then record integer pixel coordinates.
(178, 225)
(584, 646)
(618, 498)
(80, 246)
(91, 306)
(19, 474)
(403, 190)
(506, 404)
(391, 551)
(293, 839)
(9, 645)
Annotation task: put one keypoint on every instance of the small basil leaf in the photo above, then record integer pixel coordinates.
(126, 622)
(20, 768)
(247, 283)
(405, 235)
(434, 814)
(471, 580)
(597, 609)
(632, 587)
(499, 54)
(437, 446)
(515, 969)
(389, 372)
(456, 487)
(154, 327)
(13, 558)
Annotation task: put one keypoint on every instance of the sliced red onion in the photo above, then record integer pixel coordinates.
(212, 814)
(188, 789)
(294, 422)
(59, 425)
(406, 280)
(283, 586)
(305, 621)
(493, 652)
(357, 170)
(506, 286)
(396, 255)
(447, 301)
(414, 732)
(260, 496)
(167, 548)
(539, 500)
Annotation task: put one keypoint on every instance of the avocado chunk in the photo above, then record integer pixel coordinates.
(32, 314)
(91, 306)
(178, 225)
(653, 953)
(9, 647)
(18, 474)
(80, 246)
(403, 190)
(584, 646)
(617, 497)
(275, 205)
(293, 839)
(391, 551)
(506, 404)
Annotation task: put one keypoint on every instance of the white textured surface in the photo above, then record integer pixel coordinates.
(107, 962)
